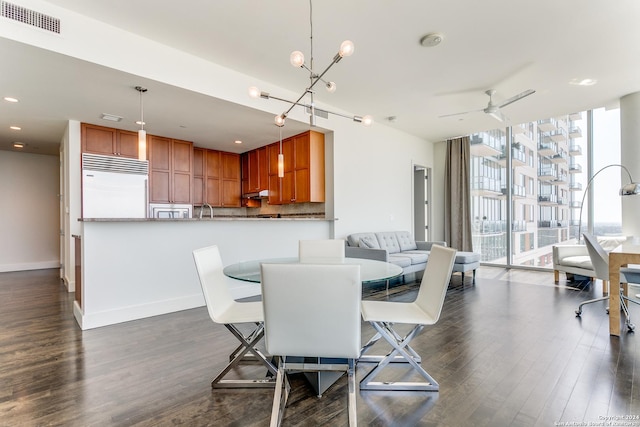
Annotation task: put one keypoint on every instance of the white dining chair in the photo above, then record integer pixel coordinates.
(223, 309)
(424, 310)
(321, 251)
(311, 311)
(600, 261)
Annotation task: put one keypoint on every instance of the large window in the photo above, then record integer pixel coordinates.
(540, 171)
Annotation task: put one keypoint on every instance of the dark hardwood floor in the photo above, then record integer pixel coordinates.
(508, 351)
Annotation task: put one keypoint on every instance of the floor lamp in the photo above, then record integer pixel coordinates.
(630, 189)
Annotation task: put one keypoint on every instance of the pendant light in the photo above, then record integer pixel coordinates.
(142, 134)
(280, 157)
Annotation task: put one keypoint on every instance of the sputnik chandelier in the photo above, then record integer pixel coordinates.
(298, 61)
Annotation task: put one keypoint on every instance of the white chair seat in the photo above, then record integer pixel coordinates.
(242, 312)
(395, 312)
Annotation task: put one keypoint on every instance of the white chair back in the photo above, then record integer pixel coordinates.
(435, 280)
(321, 251)
(213, 281)
(599, 257)
(312, 310)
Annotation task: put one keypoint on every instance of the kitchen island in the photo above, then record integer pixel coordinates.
(137, 268)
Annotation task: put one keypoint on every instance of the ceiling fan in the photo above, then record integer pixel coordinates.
(494, 109)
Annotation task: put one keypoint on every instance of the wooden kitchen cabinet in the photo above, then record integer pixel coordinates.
(255, 170)
(220, 182)
(170, 170)
(198, 175)
(303, 179)
(108, 141)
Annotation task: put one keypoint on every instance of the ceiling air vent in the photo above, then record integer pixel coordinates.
(29, 17)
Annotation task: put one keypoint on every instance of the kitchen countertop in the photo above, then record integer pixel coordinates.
(220, 218)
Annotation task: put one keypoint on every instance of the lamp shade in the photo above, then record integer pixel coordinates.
(142, 145)
(630, 189)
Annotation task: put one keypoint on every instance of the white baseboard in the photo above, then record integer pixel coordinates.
(25, 266)
(126, 314)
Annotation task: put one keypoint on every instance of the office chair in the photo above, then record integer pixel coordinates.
(223, 309)
(600, 261)
(425, 310)
(311, 311)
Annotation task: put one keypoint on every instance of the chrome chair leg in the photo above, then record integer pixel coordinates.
(401, 349)
(248, 344)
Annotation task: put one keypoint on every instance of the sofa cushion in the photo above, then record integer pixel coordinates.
(388, 241)
(399, 260)
(466, 257)
(416, 258)
(368, 242)
(405, 240)
(354, 239)
(579, 261)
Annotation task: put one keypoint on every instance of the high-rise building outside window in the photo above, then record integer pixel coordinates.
(547, 165)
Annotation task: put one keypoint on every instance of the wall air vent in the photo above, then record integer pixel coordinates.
(29, 17)
(97, 162)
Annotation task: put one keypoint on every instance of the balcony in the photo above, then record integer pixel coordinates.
(575, 132)
(518, 158)
(547, 148)
(574, 205)
(575, 186)
(487, 187)
(517, 129)
(547, 173)
(484, 145)
(575, 168)
(558, 135)
(517, 191)
(559, 158)
(548, 125)
(548, 199)
(553, 224)
(575, 116)
(575, 150)
(561, 179)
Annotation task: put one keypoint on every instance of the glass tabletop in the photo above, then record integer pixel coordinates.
(370, 270)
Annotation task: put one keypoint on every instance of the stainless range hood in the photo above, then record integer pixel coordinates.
(259, 195)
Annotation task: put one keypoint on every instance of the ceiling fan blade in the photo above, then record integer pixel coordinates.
(460, 114)
(517, 97)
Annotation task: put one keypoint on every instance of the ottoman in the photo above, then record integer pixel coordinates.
(466, 261)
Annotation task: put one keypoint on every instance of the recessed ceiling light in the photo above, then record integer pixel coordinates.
(237, 141)
(110, 117)
(431, 40)
(10, 99)
(19, 145)
(15, 128)
(583, 82)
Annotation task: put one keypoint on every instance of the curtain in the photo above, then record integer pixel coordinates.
(457, 194)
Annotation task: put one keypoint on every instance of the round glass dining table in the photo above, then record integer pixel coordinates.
(370, 270)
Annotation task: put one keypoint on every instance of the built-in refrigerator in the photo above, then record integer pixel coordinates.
(114, 187)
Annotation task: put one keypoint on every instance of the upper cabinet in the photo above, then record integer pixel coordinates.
(108, 141)
(170, 170)
(255, 171)
(219, 183)
(303, 179)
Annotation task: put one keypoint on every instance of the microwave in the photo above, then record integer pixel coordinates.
(170, 211)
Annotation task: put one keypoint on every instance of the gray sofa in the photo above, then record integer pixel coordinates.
(399, 247)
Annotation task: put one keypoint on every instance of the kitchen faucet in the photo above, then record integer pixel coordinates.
(210, 210)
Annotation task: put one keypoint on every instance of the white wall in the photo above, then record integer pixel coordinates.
(29, 219)
(373, 166)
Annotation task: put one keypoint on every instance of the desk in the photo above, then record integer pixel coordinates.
(370, 270)
(626, 254)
